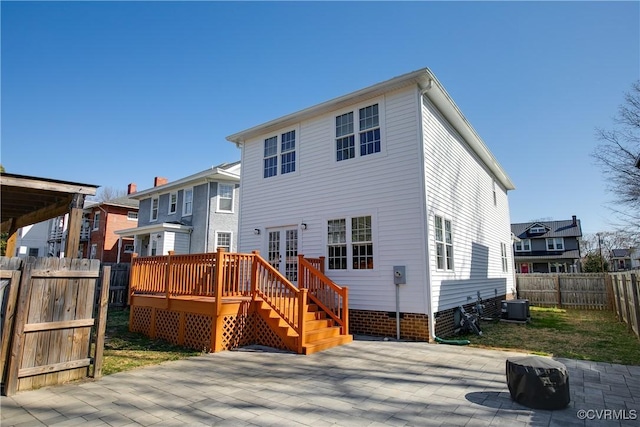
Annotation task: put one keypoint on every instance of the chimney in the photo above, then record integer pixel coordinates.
(158, 180)
(575, 220)
(132, 188)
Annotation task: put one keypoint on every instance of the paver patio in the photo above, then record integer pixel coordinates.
(365, 383)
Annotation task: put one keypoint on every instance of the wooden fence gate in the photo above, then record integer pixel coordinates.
(48, 317)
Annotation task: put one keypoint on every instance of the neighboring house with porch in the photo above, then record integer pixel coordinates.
(625, 259)
(195, 214)
(389, 176)
(105, 219)
(547, 246)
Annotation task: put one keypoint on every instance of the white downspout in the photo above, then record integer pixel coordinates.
(207, 235)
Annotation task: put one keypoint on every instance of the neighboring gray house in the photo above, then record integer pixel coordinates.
(195, 214)
(625, 259)
(547, 246)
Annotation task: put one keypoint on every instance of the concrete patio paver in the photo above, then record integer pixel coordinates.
(365, 383)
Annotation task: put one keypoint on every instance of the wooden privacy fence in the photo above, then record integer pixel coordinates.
(626, 291)
(48, 320)
(582, 291)
(118, 285)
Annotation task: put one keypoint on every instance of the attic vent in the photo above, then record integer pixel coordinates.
(537, 230)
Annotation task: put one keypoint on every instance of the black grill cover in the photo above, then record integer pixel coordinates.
(538, 382)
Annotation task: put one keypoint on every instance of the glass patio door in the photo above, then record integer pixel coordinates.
(282, 251)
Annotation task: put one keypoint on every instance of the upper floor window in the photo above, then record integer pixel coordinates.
(96, 220)
(282, 147)
(173, 202)
(187, 206)
(537, 230)
(523, 245)
(555, 244)
(132, 215)
(225, 197)
(444, 244)
(154, 209)
(368, 133)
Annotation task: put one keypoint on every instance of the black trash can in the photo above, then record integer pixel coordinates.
(538, 382)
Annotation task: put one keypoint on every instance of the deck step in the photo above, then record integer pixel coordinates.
(321, 333)
(311, 325)
(326, 343)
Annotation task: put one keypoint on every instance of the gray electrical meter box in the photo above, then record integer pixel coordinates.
(399, 275)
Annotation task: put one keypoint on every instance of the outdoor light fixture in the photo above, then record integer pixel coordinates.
(303, 226)
(256, 231)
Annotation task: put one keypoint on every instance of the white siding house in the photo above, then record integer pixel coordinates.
(391, 175)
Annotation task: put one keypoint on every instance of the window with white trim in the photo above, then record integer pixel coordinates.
(223, 240)
(94, 251)
(444, 244)
(368, 133)
(187, 205)
(282, 147)
(96, 220)
(555, 244)
(132, 215)
(523, 245)
(154, 209)
(350, 239)
(505, 259)
(128, 248)
(173, 202)
(225, 197)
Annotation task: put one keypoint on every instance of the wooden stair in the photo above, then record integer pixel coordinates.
(320, 331)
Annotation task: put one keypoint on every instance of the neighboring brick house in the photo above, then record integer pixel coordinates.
(195, 214)
(547, 246)
(105, 218)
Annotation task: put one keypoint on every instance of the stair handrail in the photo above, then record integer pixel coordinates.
(339, 312)
(287, 306)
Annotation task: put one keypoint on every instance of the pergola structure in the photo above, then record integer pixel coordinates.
(27, 200)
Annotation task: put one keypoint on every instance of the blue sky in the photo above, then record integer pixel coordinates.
(109, 93)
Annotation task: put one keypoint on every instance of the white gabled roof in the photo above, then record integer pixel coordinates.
(222, 172)
(426, 81)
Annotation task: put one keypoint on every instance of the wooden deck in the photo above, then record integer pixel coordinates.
(178, 299)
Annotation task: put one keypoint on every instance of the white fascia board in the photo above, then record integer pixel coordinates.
(189, 181)
(425, 81)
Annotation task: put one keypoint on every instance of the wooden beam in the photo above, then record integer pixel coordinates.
(75, 225)
(40, 215)
(41, 184)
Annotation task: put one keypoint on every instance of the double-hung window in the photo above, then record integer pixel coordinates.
(555, 244)
(282, 147)
(368, 119)
(173, 202)
(225, 197)
(505, 259)
(223, 240)
(350, 240)
(96, 220)
(523, 245)
(444, 244)
(154, 209)
(187, 205)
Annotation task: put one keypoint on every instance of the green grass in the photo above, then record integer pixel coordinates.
(126, 350)
(575, 334)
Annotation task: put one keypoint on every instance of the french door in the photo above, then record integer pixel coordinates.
(282, 251)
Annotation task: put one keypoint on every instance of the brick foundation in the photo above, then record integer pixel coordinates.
(413, 326)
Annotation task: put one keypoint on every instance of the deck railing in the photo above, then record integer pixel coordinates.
(331, 298)
(242, 275)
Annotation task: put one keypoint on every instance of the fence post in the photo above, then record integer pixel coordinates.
(608, 284)
(134, 274)
(167, 280)
(616, 293)
(302, 310)
(556, 280)
(635, 296)
(627, 303)
(101, 324)
(322, 264)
